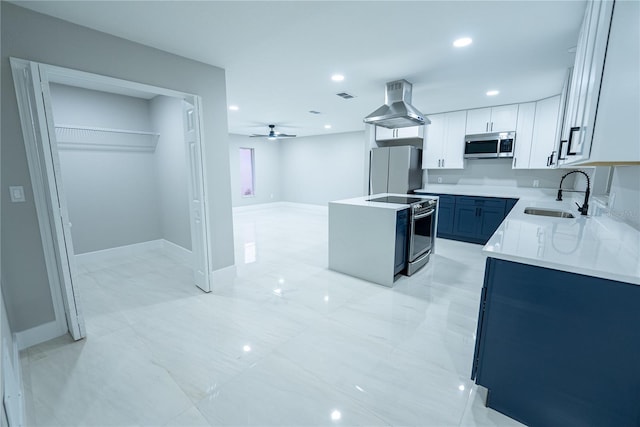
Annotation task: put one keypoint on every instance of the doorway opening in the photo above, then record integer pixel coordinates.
(119, 188)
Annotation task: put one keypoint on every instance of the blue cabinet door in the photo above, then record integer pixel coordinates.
(510, 204)
(466, 221)
(445, 219)
(490, 219)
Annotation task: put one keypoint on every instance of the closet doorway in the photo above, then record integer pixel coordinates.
(63, 142)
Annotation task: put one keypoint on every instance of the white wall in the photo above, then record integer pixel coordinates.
(112, 196)
(267, 167)
(30, 35)
(171, 170)
(497, 172)
(318, 169)
(625, 195)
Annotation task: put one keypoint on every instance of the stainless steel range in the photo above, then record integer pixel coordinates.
(421, 229)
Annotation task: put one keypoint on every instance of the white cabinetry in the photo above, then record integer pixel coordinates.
(616, 130)
(444, 144)
(411, 132)
(494, 119)
(545, 131)
(584, 88)
(524, 135)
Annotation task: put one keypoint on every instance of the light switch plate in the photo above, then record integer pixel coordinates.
(17, 193)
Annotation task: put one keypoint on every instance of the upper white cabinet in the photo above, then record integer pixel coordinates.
(615, 129)
(545, 132)
(584, 87)
(411, 132)
(444, 145)
(493, 119)
(524, 135)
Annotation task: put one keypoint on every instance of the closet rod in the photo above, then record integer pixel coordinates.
(97, 129)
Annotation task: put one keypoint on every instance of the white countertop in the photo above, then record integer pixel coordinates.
(364, 201)
(598, 246)
(489, 191)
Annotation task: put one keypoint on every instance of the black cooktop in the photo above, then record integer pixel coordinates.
(396, 199)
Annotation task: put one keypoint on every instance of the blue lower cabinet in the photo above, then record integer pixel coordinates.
(477, 218)
(402, 227)
(555, 348)
(470, 218)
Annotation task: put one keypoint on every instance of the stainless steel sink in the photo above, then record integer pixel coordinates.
(548, 212)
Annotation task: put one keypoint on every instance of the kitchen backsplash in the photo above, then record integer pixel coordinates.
(496, 172)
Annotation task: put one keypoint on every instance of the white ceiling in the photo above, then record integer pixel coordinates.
(279, 55)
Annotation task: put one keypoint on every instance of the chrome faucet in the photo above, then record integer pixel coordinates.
(585, 205)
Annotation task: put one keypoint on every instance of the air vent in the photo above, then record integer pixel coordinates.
(345, 95)
(314, 112)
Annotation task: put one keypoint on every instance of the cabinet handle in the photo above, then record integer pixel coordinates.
(562, 142)
(486, 127)
(571, 132)
(442, 162)
(438, 162)
(548, 161)
(491, 126)
(515, 161)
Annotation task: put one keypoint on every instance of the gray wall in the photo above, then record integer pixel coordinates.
(267, 169)
(111, 195)
(33, 36)
(625, 191)
(171, 170)
(496, 172)
(318, 169)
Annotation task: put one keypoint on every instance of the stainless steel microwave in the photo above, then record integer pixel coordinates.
(489, 145)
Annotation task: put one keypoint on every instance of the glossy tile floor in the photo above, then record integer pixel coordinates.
(288, 342)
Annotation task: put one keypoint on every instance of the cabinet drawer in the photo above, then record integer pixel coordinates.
(446, 200)
(488, 202)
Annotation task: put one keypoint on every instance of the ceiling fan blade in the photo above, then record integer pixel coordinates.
(284, 135)
(255, 135)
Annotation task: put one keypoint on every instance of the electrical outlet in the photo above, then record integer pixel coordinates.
(536, 183)
(439, 180)
(17, 193)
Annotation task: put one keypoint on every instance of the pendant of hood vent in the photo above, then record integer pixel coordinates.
(397, 111)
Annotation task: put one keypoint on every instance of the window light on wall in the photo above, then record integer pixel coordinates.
(247, 172)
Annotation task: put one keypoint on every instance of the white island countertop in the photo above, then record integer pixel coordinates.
(599, 246)
(364, 201)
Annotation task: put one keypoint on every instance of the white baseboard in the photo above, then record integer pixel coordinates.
(13, 395)
(128, 250)
(261, 206)
(256, 207)
(177, 251)
(223, 275)
(39, 334)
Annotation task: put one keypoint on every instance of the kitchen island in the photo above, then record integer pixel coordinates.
(368, 239)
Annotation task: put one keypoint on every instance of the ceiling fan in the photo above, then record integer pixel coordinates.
(273, 135)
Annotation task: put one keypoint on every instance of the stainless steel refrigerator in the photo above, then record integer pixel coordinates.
(395, 169)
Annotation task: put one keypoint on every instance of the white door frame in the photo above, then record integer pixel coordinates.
(31, 81)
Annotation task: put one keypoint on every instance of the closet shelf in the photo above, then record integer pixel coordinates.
(71, 137)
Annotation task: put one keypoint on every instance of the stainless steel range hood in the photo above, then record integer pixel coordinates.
(397, 111)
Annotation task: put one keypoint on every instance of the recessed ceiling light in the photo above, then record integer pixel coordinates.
(462, 42)
(327, 126)
(493, 92)
(233, 107)
(337, 77)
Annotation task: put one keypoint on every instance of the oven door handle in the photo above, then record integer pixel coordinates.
(424, 215)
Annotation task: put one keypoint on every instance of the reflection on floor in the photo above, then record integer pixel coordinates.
(288, 342)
